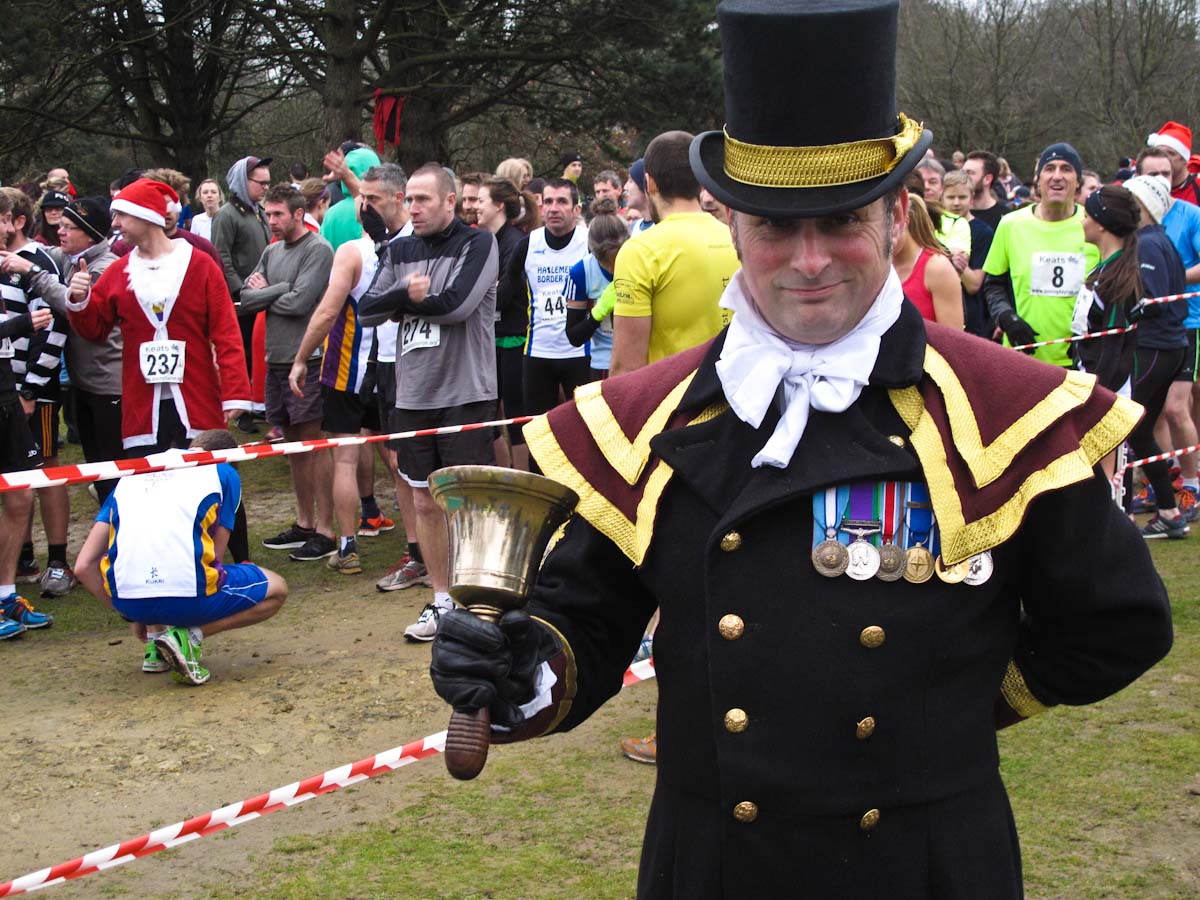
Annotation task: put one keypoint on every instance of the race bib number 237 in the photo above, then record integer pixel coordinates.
(162, 361)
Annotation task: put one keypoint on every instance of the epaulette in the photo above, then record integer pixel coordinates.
(599, 446)
(994, 429)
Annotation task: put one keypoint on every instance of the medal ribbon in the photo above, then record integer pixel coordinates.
(886, 500)
(918, 521)
(862, 507)
(828, 507)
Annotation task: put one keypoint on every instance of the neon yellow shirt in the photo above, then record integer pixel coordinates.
(955, 233)
(1047, 262)
(675, 273)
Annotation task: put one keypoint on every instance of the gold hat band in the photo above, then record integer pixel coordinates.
(822, 166)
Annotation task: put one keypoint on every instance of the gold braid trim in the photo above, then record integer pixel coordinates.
(1016, 693)
(960, 539)
(572, 677)
(990, 462)
(627, 458)
(820, 166)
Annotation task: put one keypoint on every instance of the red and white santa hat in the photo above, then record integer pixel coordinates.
(148, 200)
(1173, 136)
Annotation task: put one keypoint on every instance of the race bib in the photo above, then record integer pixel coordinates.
(552, 308)
(417, 333)
(1056, 274)
(1083, 306)
(162, 361)
(6, 348)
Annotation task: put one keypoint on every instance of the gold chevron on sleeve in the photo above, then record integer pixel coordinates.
(628, 458)
(1016, 693)
(961, 539)
(987, 463)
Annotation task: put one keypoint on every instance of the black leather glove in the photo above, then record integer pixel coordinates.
(1016, 329)
(477, 664)
(373, 224)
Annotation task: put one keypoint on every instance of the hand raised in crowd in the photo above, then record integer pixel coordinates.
(80, 283)
(335, 163)
(11, 262)
(256, 281)
(418, 287)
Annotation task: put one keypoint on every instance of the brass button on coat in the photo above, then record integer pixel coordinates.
(736, 721)
(897, 440)
(872, 636)
(731, 542)
(731, 627)
(869, 820)
(746, 811)
(865, 728)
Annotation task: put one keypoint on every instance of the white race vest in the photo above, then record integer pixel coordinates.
(547, 271)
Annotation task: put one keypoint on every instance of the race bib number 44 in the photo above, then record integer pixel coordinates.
(162, 361)
(1056, 274)
(553, 307)
(416, 333)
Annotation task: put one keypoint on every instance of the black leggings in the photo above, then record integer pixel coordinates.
(544, 377)
(98, 422)
(1153, 372)
(510, 363)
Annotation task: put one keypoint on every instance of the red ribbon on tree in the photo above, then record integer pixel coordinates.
(387, 119)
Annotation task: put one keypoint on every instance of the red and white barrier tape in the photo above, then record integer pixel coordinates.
(1169, 298)
(254, 808)
(1078, 337)
(119, 468)
(1162, 456)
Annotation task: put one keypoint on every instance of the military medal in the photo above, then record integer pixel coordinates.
(891, 558)
(955, 574)
(918, 525)
(829, 556)
(864, 558)
(980, 568)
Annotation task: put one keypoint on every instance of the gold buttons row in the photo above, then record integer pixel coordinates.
(731, 627)
(746, 812)
(872, 636)
(736, 721)
(731, 542)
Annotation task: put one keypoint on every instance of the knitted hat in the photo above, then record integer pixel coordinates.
(1066, 153)
(1173, 136)
(147, 200)
(55, 200)
(1153, 192)
(90, 214)
(637, 172)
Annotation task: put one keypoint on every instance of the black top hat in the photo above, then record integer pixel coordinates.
(810, 104)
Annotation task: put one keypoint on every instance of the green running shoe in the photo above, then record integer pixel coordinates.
(152, 661)
(176, 646)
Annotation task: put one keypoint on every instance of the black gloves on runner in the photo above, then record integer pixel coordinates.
(373, 224)
(1016, 329)
(477, 664)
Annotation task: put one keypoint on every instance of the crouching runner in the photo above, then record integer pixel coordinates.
(154, 555)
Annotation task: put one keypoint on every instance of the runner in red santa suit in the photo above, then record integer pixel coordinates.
(174, 311)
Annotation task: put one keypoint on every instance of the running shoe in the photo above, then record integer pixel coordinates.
(245, 424)
(404, 574)
(1185, 502)
(426, 626)
(176, 646)
(1158, 527)
(20, 610)
(28, 571)
(58, 580)
(1144, 501)
(292, 539)
(375, 526)
(316, 547)
(345, 565)
(643, 750)
(152, 661)
(10, 629)
(274, 435)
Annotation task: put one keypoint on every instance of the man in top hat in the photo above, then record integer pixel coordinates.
(182, 368)
(854, 594)
(1176, 139)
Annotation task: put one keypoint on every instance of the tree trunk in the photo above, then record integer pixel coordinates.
(341, 109)
(422, 138)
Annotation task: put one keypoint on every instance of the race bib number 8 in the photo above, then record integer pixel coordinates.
(162, 361)
(416, 333)
(1056, 274)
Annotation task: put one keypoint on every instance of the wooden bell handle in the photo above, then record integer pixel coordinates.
(467, 742)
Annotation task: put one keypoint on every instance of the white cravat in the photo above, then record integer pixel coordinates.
(826, 377)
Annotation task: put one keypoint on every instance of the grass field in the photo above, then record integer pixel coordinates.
(1107, 797)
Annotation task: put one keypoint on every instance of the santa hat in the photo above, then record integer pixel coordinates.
(1173, 136)
(147, 200)
(1194, 163)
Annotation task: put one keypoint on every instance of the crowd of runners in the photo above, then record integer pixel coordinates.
(371, 300)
